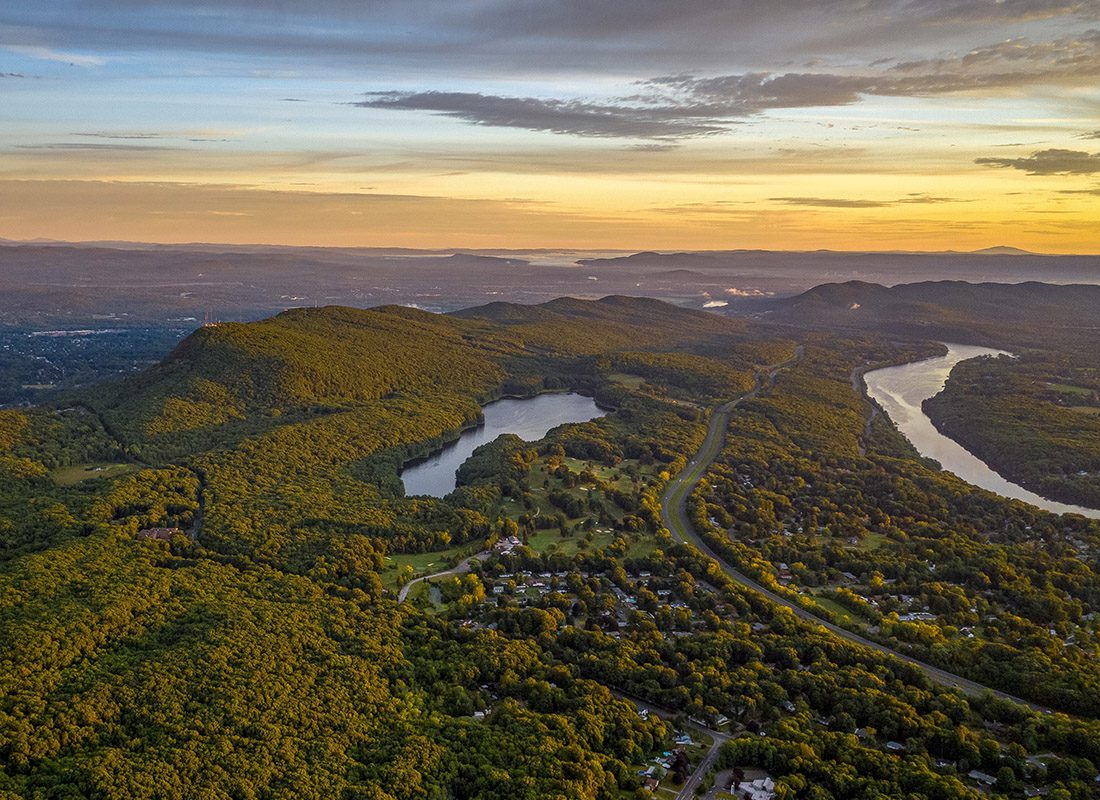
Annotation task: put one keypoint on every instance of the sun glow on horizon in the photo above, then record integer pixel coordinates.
(459, 133)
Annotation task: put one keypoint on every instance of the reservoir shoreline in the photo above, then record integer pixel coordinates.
(530, 417)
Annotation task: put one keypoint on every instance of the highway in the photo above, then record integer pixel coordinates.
(675, 517)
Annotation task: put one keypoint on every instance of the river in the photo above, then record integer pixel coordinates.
(901, 390)
(528, 418)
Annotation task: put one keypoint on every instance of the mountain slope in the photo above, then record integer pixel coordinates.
(327, 357)
(1021, 313)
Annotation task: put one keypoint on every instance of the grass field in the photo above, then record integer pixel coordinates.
(67, 476)
(843, 615)
(422, 563)
(872, 541)
(1069, 388)
(549, 540)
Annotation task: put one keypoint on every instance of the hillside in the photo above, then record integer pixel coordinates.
(326, 357)
(571, 326)
(246, 377)
(988, 313)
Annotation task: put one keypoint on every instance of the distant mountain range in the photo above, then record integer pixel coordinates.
(994, 313)
(51, 285)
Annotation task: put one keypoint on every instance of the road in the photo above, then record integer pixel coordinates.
(675, 517)
(700, 772)
(706, 764)
(459, 569)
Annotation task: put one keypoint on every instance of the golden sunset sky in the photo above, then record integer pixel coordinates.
(696, 124)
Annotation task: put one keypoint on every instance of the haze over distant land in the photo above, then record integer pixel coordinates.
(847, 124)
(46, 285)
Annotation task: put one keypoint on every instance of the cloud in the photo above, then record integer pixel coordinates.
(926, 199)
(116, 136)
(576, 117)
(1050, 162)
(49, 54)
(831, 202)
(674, 107)
(95, 147)
(120, 135)
(12, 75)
(1090, 135)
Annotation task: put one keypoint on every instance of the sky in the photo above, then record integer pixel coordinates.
(596, 124)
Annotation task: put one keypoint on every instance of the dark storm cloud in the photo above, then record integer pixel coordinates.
(1050, 162)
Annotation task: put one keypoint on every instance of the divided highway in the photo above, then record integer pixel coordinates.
(675, 517)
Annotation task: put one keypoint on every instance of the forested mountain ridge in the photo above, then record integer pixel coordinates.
(579, 326)
(335, 357)
(326, 357)
(1022, 314)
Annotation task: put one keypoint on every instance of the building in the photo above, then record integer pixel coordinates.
(158, 534)
(981, 777)
(757, 789)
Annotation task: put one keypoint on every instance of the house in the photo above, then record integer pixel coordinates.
(981, 777)
(758, 789)
(158, 534)
(895, 747)
(652, 784)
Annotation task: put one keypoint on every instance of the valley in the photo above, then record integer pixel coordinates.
(730, 546)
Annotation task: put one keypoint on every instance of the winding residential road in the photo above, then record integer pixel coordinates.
(675, 517)
(706, 764)
(459, 569)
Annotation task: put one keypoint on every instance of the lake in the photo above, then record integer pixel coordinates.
(901, 390)
(529, 418)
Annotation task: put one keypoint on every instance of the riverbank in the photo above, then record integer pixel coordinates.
(900, 391)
